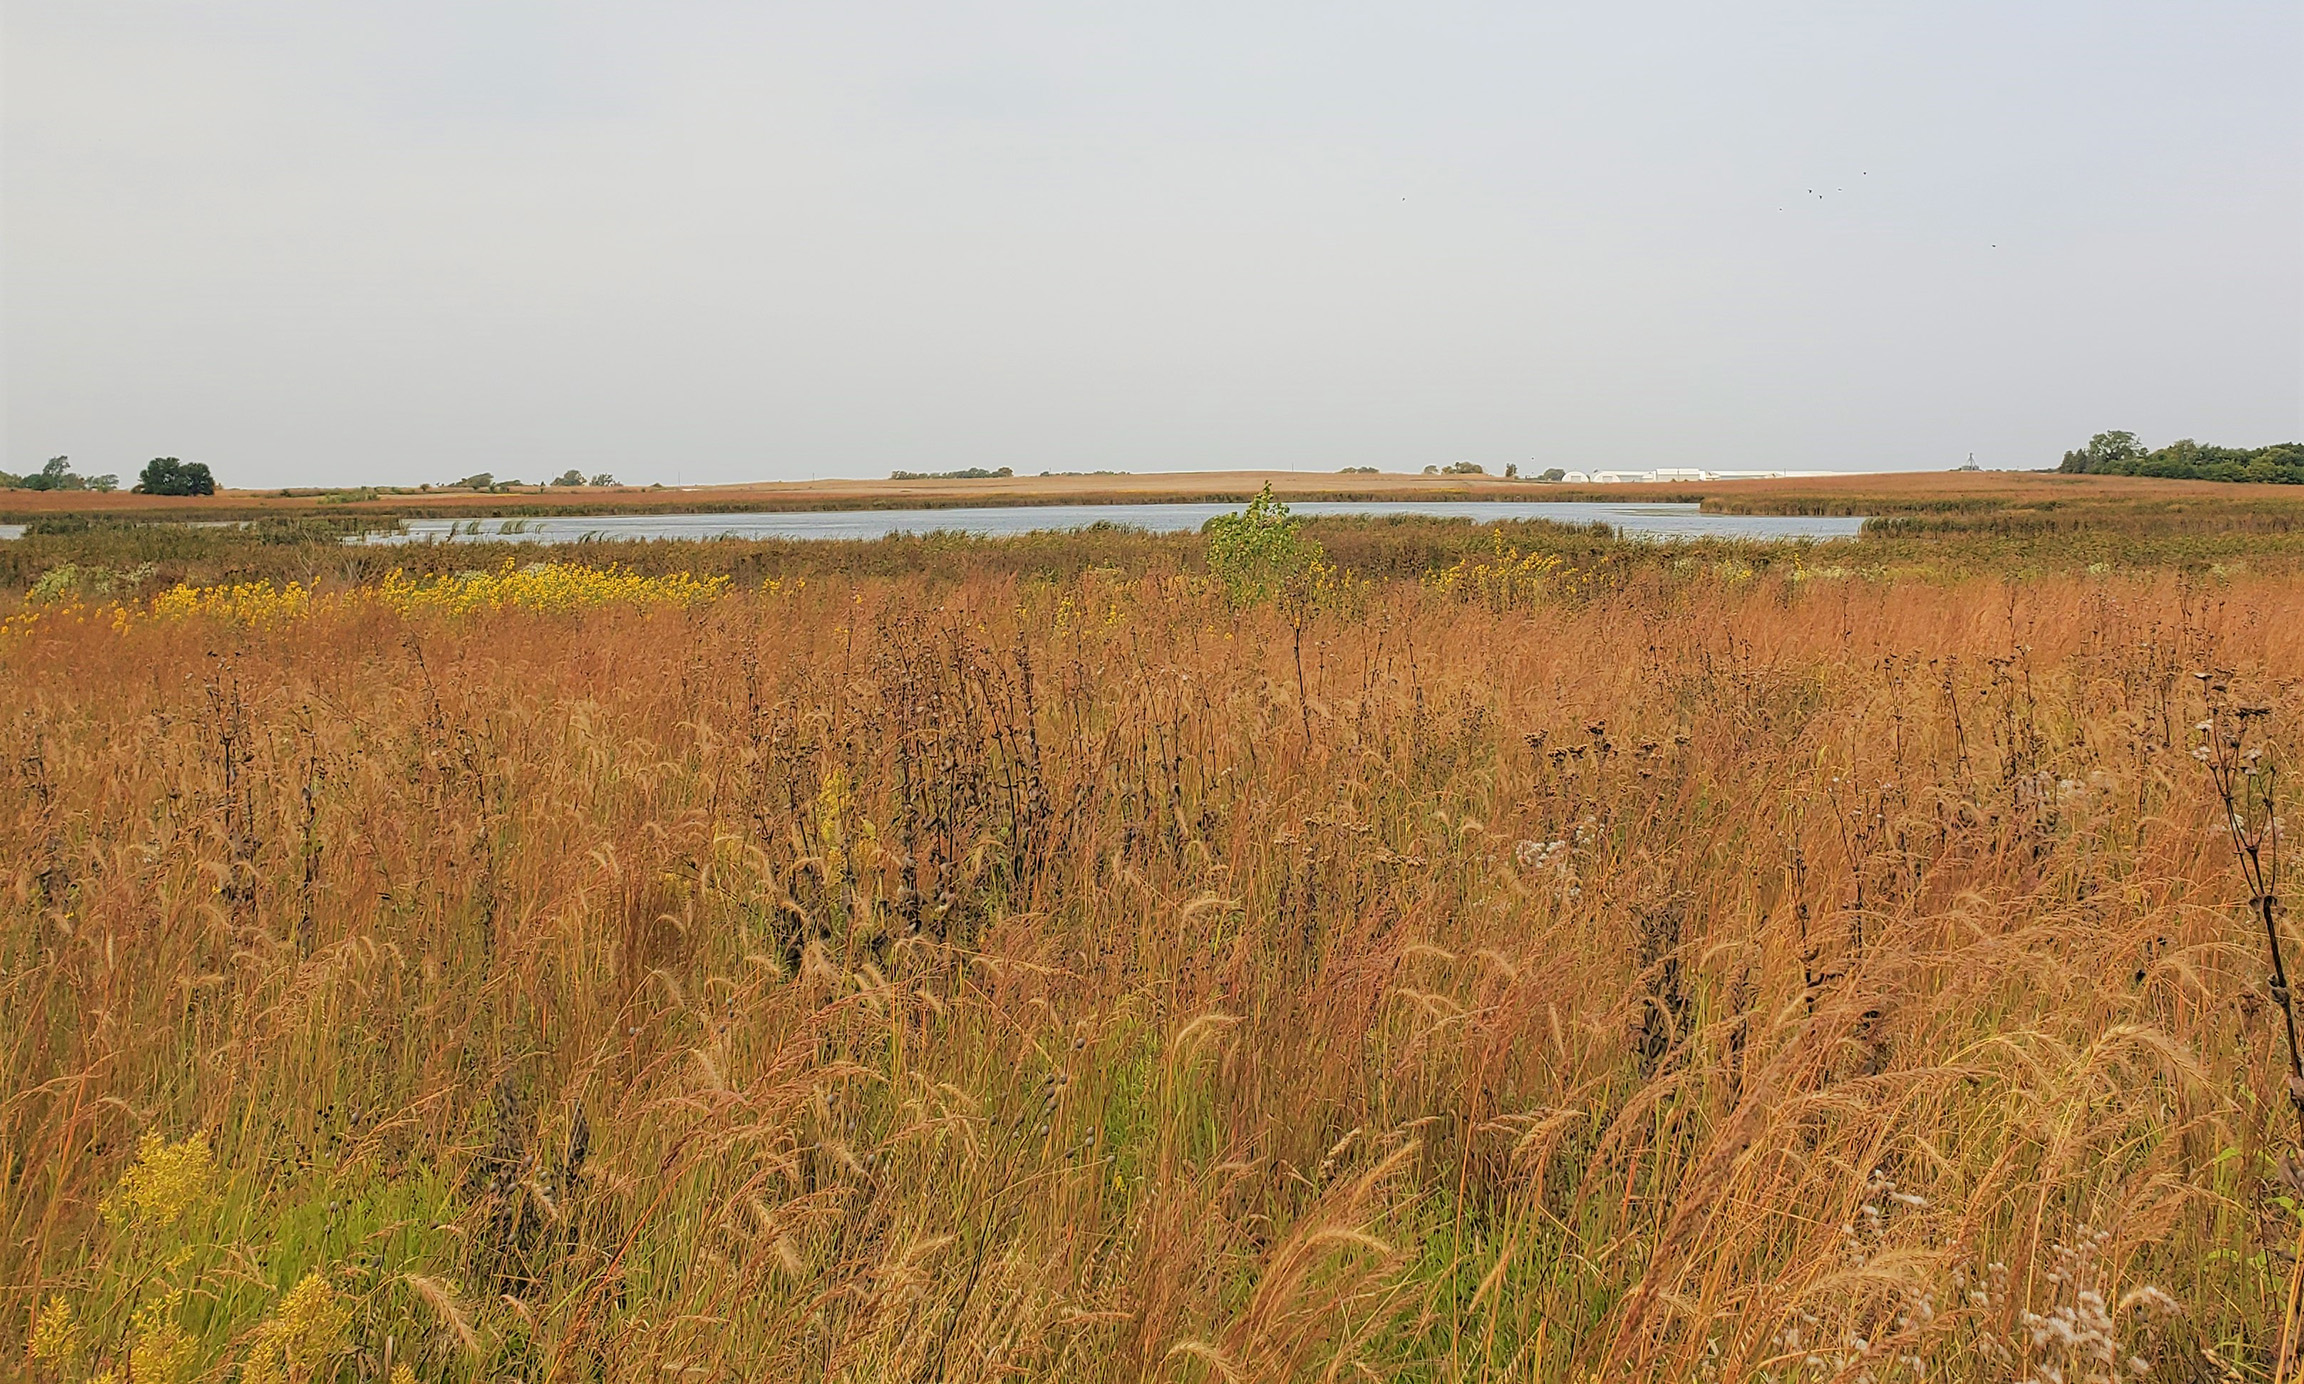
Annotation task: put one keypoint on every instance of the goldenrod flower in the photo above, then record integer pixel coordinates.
(159, 1348)
(55, 1335)
(163, 1183)
(310, 1325)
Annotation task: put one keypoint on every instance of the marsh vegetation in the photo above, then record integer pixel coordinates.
(1414, 953)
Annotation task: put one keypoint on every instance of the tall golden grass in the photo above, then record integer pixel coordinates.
(1734, 979)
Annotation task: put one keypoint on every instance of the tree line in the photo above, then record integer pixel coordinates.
(161, 476)
(486, 480)
(2120, 454)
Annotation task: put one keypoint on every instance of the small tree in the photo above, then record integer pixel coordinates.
(1254, 553)
(603, 479)
(1553, 473)
(168, 476)
(571, 476)
(1262, 554)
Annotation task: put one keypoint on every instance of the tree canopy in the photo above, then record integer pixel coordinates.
(169, 476)
(2120, 454)
(58, 474)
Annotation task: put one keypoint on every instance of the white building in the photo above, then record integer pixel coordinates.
(1685, 474)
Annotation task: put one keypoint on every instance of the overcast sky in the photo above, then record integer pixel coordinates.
(321, 242)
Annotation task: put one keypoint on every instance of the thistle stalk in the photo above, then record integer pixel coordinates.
(2246, 783)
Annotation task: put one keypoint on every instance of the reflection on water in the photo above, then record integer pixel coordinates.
(1635, 520)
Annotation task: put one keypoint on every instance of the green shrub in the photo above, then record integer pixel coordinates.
(1255, 554)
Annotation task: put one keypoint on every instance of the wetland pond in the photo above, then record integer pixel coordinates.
(1658, 521)
(1661, 521)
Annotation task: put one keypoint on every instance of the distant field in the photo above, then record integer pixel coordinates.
(1871, 494)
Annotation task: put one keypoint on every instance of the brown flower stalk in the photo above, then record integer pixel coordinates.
(2246, 781)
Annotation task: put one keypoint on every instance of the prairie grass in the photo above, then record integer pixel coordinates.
(1684, 972)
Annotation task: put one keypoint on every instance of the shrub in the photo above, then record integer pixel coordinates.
(1255, 553)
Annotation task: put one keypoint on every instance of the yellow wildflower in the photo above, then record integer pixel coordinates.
(163, 1183)
(55, 1335)
(247, 603)
(311, 1324)
(1506, 578)
(832, 804)
(159, 1348)
(547, 586)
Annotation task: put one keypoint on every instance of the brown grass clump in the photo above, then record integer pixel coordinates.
(883, 979)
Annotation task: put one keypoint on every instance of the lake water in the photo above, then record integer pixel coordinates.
(1636, 520)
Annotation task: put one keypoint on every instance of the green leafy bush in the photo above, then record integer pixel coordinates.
(1257, 553)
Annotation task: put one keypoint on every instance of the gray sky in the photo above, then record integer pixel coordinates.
(321, 242)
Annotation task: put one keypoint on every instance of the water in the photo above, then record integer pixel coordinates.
(1634, 520)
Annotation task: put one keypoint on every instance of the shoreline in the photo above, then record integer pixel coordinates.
(1877, 493)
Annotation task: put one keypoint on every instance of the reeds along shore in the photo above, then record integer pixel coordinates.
(878, 979)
